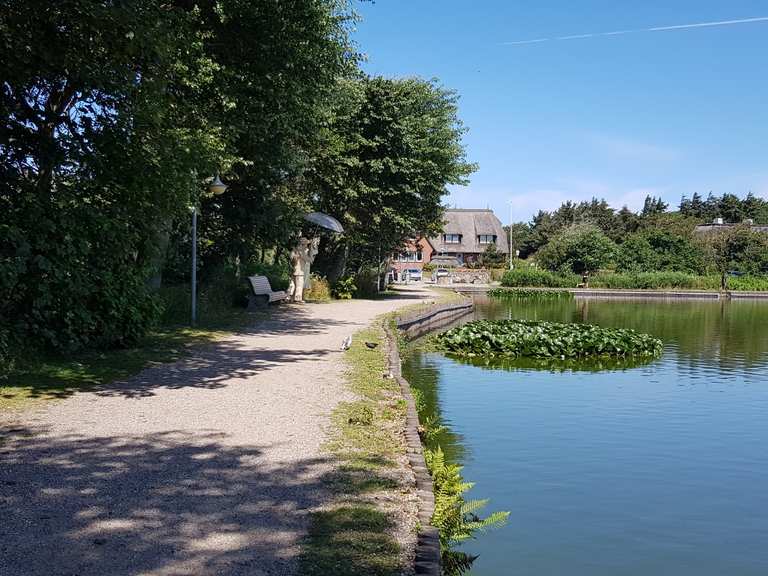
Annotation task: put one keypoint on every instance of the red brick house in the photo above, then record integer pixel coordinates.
(418, 251)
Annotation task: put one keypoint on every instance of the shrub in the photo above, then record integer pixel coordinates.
(279, 273)
(581, 248)
(521, 338)
(540, 293)
(655, 280)
(319, 291)
(6, 361)
(749, 283)
(344, 288)
(659, 250)
(538, 277)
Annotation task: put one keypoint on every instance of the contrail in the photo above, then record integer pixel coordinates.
(654, 29)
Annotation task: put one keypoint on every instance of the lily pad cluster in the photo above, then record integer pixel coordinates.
(531, 339)
(530, 293)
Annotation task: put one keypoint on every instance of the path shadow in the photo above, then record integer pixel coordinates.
(173, 503)
(212, 364)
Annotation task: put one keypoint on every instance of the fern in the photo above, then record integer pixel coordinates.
(456, 518)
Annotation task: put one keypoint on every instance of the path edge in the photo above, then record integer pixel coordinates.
(427, 558)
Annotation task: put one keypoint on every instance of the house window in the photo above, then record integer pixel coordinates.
(486, 239)
(452, 238)
(409, 257)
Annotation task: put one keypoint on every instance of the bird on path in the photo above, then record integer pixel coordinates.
(347, 343)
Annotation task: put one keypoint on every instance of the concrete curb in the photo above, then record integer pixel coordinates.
(433, 318)
(428, 543)
(427, 561)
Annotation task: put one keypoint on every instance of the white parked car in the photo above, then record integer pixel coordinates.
(413, 274)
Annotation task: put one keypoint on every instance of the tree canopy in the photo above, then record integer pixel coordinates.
(116, 115)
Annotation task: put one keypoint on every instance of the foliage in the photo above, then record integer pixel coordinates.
(493, 258)
(655, 249)
(319, 290)
(539, 293)
(113, 116)
(456, 518)
(391, 148)
(748, 283)
(654, 239)
(344, 288)
(521, 338)
(537, 277)
(655, 280)
(728, 206)
(579, 249)
(736, 248)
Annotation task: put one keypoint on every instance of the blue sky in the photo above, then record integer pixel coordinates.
(661, 113)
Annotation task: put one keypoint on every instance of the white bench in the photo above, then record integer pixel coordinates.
(262, 293)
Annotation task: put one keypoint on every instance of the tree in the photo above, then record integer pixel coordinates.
(113, 114)
(492, 258)
(735, 248)
(391, 149)
(653, 205)
(581, 249)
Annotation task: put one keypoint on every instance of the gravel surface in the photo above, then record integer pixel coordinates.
(206, 466)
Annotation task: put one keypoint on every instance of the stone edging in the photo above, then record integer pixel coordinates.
(428, 543)
(436, 314)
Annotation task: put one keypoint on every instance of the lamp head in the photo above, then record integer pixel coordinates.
(217, 187)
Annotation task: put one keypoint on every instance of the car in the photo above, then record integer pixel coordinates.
(413, 274)
(441, 272)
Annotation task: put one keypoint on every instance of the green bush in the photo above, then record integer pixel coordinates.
(319, 291)
(521, 338)
(655, 280)
(538, 277)
(279, 274)
(344, 288)
(540, 293)
(6, 361)
(748, 283)
(578, 249)
(366, 283)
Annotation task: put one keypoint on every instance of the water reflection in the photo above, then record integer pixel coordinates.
(642, 470)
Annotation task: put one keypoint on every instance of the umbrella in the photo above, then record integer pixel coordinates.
(324, 221)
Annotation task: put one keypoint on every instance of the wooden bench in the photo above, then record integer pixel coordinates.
(262, 293)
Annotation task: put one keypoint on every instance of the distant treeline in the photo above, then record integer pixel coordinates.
(591, 236)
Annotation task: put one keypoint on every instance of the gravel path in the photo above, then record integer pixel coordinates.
(206, 466)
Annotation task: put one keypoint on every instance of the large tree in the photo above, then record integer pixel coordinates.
(392, 148)
(581, 248)
(112, 117)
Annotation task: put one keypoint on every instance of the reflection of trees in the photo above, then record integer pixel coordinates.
(424, 375)
(731, 333)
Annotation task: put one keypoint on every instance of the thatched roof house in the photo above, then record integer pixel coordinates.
(468, 232)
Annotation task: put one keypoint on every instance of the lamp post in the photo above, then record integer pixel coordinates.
(216, 187)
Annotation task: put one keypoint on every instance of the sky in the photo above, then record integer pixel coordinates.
(615, 116)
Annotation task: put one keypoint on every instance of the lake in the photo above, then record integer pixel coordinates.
(658, 469)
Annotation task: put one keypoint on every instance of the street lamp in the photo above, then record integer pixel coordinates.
(216, 187)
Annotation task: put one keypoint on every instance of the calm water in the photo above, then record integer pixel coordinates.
(660, 469)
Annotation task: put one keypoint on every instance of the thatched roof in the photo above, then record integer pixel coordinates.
(470, 224)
